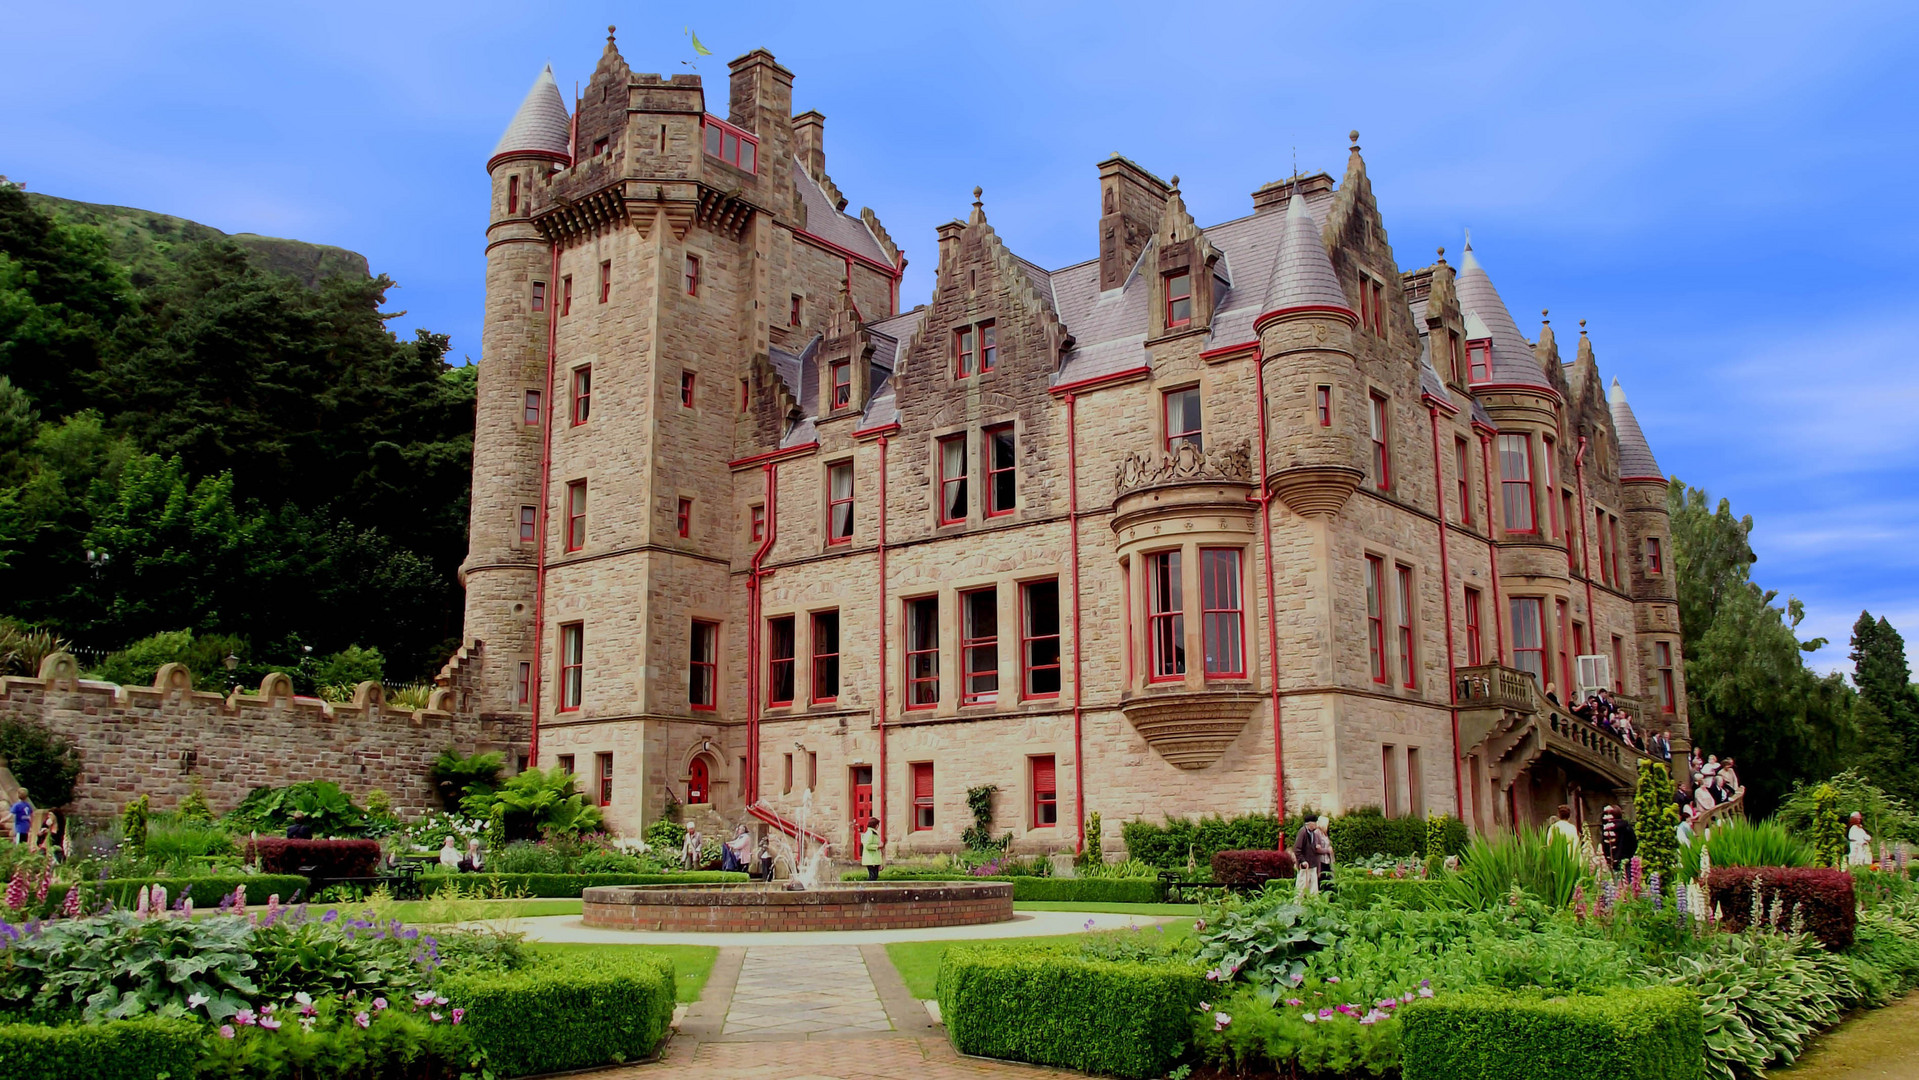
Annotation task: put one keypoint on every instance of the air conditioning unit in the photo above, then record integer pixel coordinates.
(1595, 673)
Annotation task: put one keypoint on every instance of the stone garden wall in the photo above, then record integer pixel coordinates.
(166, 739)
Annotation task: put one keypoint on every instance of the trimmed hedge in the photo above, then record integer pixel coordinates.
(1040, 889)
(1823, 897)
(1097, 1016)
(1254, 867)
(1167, 845)
(573, 1011)
(568, 886)
(1653, 1034)
(329, 858)
(1358, 889)
(146, 1049)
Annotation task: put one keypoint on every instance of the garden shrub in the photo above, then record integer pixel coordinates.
(185, 841)
(41, 761)
(1888, 817)
(327, 808)
(1656, 820)
(418, 1038)
(566, 886)
(1621, 1034)
(1739, 842)
(567, 1012)
(532, 803)
(1823, 898)
(526, 857)
(145, 1049)
(1764, 996)
(1828, 827)
(666, 837)
(1366, 831)
(1253, 867)
(1096, 1016)
(1168, 845)
(1270, 939)
(328, 858)
(608, 862)
(1531, 859)
(1363, 891)
(1248, 1036)
(455, 777)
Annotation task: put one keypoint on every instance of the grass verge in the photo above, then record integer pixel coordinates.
(1108, 909)
(691, 963)
(427, 911)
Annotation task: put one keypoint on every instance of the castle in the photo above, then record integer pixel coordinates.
(1227, 519)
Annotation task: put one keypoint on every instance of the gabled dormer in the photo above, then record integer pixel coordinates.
(845, 362)
(1186, 281)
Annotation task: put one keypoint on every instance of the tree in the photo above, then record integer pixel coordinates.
(43, 762)
(1886, 743)
(1748, 689)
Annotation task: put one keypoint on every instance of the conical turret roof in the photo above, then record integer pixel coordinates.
(1302, 273)
(541, 126)
(1635, 456)
(1513, 359)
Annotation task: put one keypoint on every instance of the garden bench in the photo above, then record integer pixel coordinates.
(402, 881)
(1184, 890)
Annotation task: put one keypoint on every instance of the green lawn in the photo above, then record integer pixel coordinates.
(1108, 909)
(419, 911)
(918, 962)
(691, 963)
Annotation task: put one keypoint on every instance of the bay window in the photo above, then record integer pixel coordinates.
(1516, 482)
(1221, 620)
(1166, 616)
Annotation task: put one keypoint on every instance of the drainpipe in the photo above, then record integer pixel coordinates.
(882, 633)
(1265, 499)
(1585, 566)
(750, 783)
(1446, 584)
(538, 666)
(1072, 526)
(1492, 550)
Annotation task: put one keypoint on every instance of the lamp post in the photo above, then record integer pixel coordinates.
(232, 662)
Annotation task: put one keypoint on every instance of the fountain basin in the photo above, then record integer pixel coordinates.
(748, 907)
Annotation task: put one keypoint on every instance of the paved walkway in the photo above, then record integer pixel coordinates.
(569, 928)
(823, 990)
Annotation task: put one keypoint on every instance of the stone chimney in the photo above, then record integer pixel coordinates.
(809, 142)
(1276, 195)
(1131, 203)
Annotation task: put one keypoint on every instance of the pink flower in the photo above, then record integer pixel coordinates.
(306, 1023)
(440, 1000)
(226, 1031)
(244, 1017)
(1325, 1014)
(1425, 991)
(1294, 1003)
(379, 1003)
(269, 1023)
(434, 1016)
(459, 1015)
(1334, 979)
(423, 998)
(1220, 1020)
(1205, 1007)
(1373, 1016)
(362, 1019)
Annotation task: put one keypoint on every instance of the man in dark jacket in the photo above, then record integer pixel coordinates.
(1306, 859)
(1617, 839)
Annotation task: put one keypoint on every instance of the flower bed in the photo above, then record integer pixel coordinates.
(1776, 896)
(206, 892)
(328, 858)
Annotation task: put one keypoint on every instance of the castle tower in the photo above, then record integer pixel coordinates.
(514, 402)
(1653, 576)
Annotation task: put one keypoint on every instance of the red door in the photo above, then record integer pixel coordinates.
(698, 786)
(862, 796)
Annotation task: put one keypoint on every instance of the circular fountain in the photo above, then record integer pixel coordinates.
(755, 906)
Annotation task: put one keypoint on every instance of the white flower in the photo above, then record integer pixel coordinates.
(303, 998)
(194, 1001)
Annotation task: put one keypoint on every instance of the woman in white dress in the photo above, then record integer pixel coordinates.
(1858, 842)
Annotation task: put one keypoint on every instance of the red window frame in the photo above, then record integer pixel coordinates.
(1222, 614)
(1456, 355)
(1000, 451)
(1462, 467)
(1382, 443)
(1618, 664)
(1045, 774)
(572, 686)
(513, 194)
(1039, 652)
(952, 473)
(580, 408)
(965, 356)
(979, 646)
(1376, 617)
(566, 295)
(1190, 426)
(782, 649)
(523, 683)
(534, 414)
(756, 521)
(732, 145)
(692, 275)
(826, 657)
(1668, 687)
(1475, 637)
(1165, 616)
(1550, 458)
(1655, 559)
(606, 280)
(1323, 405)
(602, 145)
(529, 524)
(605, 762)
(839, 502)
(1571, 518)
(575, 515)
(1561, 617)
(988, 346)
(1618, 572)
(793, 314)
(688, 380)
(1479, 360)
(922, 653)
(922, 796)
(1179, 298)
(539, 296)
(703, 666)
(1517, 494)
(1408, 661)
(842, 383)
(683, 520)
(1529, 637)
(746, 393)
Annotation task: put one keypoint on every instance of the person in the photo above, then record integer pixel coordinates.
(1702, 797)
(1552, 693)
(1563, 828)
(22, 817)
(1325, 845)
(449, 855)
(690, 848)
(734, 857)
(766, 860)
(870, 849)
(1306, 860)
(1617, 839)
(1858, 841)
(299, 828)
(1665, 747)
(1729, 778)
(473, 862)
(50, 837)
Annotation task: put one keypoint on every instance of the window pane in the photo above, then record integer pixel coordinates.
(1002, 487)
(981, 646)
(1166, 606)
(1040, 609)
(1219, 580)
(1182, 419)
(748, 156)
(780, 660)
(953, 478)
(826, 655)
(713, 140)
(922, 651)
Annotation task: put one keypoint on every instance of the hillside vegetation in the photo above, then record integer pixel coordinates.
(219, 435)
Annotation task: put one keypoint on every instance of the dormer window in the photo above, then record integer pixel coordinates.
(842, 383)
(1179, 299)
(731, 145)
(1479, 360)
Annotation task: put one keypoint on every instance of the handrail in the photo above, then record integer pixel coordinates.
(771, 817)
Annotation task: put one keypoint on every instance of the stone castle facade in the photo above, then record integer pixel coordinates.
(1227, 519)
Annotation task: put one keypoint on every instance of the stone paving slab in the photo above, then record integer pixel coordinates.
(804, 992)
(896, 1058)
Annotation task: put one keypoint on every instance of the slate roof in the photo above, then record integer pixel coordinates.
(541, 125)
(1635, 456)
(890, 336)
(832, 224)
(1513, 361)
(1302, 272)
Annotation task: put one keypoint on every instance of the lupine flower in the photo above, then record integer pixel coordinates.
(226, 1031)
(186, 907)
(40, 886)
(140, 908)
(71, 907)
(362, 1019)
(159, 905)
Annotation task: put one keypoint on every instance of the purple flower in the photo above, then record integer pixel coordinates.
(1325, 1014)
(330, 915)
(362, 1019)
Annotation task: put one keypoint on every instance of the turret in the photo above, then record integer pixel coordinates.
(1652, 574)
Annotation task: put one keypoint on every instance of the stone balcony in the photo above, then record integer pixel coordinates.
(1506, 720)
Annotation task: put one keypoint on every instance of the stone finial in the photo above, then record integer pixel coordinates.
(59, 667)
(1582, 327)
(1354, 135)
(275, 686)
(977, 192)
(1543, 312)
(610, 28)
(1175, 183)
(173, 677)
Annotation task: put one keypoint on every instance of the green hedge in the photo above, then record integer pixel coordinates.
(1363, 833)
(1623, 1034)
(207, 892)
(572, 1011)
(1096, 1016)
(1066, 890)
(1358, 889)
(568, 886)
(147, 1049)
(1367, 832)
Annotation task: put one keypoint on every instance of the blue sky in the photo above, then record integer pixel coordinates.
(1722, 189)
